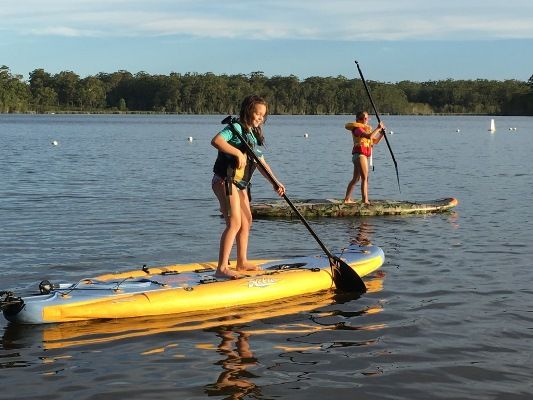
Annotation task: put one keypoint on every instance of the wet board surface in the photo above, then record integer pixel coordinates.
(337, 208)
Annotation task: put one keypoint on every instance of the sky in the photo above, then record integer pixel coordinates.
(392, 40)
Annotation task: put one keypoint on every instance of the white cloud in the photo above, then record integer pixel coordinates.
(64, 31)
(273, 19)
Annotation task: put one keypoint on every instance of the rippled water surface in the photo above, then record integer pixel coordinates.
(449, 315)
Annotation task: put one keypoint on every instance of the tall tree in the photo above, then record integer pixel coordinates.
(66, 84)
(14, 93)
(42, 90)
(92, 93)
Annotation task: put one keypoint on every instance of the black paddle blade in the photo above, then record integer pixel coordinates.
(345, 278)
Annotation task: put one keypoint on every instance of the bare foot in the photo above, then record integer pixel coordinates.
(348, 201)
(366, 203)
(227, 273)
(248, 267)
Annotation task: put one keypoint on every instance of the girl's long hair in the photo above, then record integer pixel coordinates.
(246, 115)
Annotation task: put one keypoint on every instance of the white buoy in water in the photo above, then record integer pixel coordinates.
(190, 139)
(492, 125)
(458, 130)
(306, 135)
(391, 132)
(55, 142)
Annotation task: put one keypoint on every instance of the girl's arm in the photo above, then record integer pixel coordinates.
(278, 186)
(378, 132)
(221, 145)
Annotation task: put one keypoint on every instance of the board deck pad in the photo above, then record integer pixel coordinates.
(337, 208)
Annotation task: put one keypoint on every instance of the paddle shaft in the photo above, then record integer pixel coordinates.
(344, 277)
(379, 120)
(267, 172)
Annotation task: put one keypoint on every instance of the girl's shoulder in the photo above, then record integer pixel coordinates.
(350, 126)
(228, 134)
(355, 125)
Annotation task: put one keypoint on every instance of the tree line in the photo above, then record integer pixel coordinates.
(194, 93)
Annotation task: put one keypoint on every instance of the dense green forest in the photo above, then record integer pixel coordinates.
(194, 93)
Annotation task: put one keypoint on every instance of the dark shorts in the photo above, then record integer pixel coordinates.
(217, 180)
(355, 157)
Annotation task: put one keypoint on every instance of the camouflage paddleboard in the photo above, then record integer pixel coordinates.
(337, 208)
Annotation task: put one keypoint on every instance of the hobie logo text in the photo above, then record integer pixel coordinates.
(261, 282)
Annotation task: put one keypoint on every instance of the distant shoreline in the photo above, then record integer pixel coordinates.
(181, 113)
(125, 93)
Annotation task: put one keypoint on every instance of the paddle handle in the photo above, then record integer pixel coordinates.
(373, 105)
(369, 95)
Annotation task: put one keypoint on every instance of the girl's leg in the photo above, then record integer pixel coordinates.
(363, 170)
(351, 184)
(233, 225)
(244, 233)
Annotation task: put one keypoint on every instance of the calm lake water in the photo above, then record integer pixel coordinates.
(449, 316)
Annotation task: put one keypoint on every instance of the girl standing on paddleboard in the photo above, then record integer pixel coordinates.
(231, 182)
(363, 140)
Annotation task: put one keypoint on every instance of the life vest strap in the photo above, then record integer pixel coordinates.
(227, 188)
